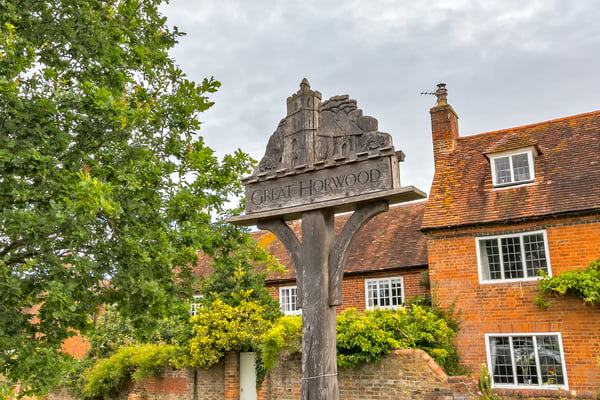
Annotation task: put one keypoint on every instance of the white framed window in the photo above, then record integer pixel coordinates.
(534, 361)
(384, 292)
(513, 167)
(194, 305)
(288, 300)
(513, 257)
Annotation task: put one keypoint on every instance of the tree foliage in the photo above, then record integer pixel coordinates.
(113, 331)
(240, 268)
(103, 177)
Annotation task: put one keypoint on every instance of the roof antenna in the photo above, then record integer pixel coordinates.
(441, 93)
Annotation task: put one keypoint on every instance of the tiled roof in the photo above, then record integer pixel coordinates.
(391, 240)
(567, 175)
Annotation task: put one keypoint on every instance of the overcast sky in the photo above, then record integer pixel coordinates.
(506, 63)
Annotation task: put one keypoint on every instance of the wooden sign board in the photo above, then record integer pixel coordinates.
(323, 184)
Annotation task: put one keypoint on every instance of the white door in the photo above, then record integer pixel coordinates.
(247, 376)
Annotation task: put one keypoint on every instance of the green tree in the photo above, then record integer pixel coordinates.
(103, 177)
(240, 267)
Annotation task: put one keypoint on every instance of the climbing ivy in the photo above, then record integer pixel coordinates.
(584, 284)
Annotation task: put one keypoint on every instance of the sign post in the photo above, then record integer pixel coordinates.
(324, 158)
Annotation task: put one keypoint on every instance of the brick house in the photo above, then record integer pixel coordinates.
(384, 267)
(503, 206)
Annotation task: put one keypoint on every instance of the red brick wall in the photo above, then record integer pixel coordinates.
(76, 346)
(353, 288)
(509, 307)
(402, 375)
(231, 363)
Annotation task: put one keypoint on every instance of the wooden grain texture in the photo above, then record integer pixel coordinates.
(319, 366)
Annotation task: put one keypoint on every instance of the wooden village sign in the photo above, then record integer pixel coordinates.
(324, 158)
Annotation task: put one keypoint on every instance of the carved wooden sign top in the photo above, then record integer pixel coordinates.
(322, 151)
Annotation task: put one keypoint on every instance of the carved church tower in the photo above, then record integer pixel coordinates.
(302, 124)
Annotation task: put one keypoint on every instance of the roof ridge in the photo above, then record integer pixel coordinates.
(521, 127)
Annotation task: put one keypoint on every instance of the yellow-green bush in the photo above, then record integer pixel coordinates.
(129, 363)
(368, 336)
(220, 327)
(286, 334)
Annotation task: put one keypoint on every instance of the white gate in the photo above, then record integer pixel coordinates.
(247, 376)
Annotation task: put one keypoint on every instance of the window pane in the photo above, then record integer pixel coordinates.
(502, 165)
(502, 368)
(292, 299)
(396, 299)
(521, 167)
(288, 300)
(535, 254)
(524, 353)
(550, 360)
(490, 259)
(372, 294)
(283, 300)
(511, 257)
(532, 360)
(384, 293)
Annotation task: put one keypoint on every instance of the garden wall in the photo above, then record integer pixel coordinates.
(404, 374)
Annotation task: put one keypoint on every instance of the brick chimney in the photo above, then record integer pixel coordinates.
(444, 123)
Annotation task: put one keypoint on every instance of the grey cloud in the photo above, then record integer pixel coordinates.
(506, 63)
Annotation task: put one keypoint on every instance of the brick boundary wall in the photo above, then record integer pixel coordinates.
(405, 374)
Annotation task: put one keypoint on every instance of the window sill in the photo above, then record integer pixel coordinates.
(504, 281)
(530, 387)
(513, 185)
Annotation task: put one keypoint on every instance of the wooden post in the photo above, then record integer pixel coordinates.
(319, 367)
(319, 262)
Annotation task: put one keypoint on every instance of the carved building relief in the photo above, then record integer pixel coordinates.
(315, 132)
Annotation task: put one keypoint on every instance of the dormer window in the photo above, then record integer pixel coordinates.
(512, 167)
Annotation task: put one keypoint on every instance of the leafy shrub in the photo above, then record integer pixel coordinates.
(365, 337)
(219, 328)
(368, 336)
(114, 331)
(286, 334)
(584, 284)
(129, 363)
